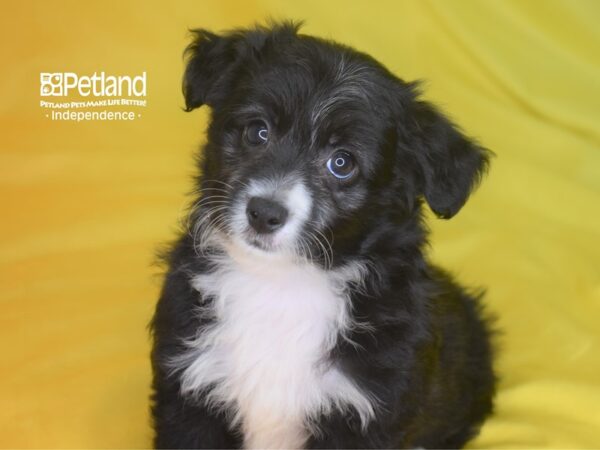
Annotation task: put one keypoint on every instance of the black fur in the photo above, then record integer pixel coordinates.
(429, 358)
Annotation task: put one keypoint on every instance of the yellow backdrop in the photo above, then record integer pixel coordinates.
(83, 205)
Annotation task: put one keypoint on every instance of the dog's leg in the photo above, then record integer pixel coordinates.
(181, 423)
(342, 431)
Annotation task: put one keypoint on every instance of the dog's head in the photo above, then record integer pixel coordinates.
(310, 140)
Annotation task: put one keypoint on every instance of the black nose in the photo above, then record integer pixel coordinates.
(265, 215)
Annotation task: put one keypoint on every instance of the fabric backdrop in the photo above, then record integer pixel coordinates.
(83, 206)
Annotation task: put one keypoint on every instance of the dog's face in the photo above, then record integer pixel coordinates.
(311, 142)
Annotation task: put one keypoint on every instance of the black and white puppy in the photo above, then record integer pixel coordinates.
(299, 309)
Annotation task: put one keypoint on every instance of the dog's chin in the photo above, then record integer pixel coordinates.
(260, 247)
(257, 244)
(266, 245)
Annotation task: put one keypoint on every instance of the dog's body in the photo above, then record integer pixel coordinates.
(300, 311)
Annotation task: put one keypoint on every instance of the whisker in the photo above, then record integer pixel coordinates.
(204, 201)
(307, 254)
(315, 240)
(229, 186)
(330, 248)
(209, 229)
(213, 189)
(203, 226)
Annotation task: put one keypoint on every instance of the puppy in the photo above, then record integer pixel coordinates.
(299, 309)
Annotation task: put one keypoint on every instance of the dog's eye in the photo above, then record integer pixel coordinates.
(341, 165)
(256, 133)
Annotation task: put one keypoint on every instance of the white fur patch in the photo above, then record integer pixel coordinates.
(290, 192)
(266, 355)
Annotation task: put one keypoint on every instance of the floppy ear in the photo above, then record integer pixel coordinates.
(212, 62)
(451, 164)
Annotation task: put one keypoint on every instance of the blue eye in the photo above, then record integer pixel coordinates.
(256, 133)
(341, 165)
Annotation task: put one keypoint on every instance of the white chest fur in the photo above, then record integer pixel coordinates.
(266, 354)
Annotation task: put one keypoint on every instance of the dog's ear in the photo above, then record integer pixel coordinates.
(450, 164)
(211, 65)
(214, 60)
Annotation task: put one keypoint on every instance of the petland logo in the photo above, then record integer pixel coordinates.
(88, 93)
(61, 84)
